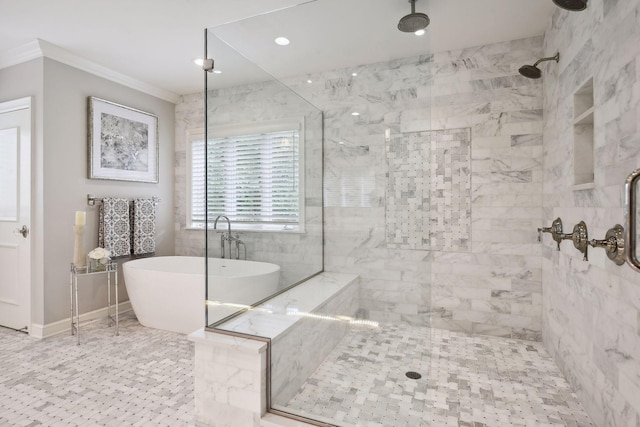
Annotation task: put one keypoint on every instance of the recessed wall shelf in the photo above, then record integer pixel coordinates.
(583, 158)
(585, 186)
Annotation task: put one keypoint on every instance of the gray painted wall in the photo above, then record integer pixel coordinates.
(61, 185)
(66, 185)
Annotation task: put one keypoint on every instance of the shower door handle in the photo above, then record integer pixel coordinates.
(630, 219)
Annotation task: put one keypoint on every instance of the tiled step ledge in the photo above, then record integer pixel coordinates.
(274, 317)
(230, 372)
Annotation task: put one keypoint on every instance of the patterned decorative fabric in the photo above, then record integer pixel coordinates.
(114, 229)
(144, 226)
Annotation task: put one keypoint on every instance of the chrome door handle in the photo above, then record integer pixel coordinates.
(24, 231)
(630, 220)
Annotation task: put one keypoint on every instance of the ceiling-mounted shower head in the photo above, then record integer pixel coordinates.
(532, 71)
(414, 21)
(573, 5)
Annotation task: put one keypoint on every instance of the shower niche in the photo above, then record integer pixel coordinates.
(583, 158)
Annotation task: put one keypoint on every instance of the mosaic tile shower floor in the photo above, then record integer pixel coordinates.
(144, 378)
(466, 380)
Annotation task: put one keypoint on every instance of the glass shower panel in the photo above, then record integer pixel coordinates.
(352, 346)
(263, 162)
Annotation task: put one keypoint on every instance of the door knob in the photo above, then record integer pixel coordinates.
(24, 231)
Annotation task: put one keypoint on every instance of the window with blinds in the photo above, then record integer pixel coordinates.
(253, 179)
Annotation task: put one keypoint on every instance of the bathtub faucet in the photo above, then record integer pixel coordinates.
(223, 237)
(230, 238)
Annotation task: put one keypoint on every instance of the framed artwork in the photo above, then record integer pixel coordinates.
(123, 142)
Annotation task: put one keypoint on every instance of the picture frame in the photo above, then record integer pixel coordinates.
(123, 142)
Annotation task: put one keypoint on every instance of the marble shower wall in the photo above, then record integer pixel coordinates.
(495, 287)
(592, 309)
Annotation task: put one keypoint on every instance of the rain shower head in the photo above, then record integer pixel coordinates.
(574, 5)
(532, 71)
(414, 21)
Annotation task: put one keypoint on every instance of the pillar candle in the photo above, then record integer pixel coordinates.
(81, 218)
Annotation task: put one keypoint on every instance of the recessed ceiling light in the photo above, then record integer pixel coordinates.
(198, 62)
(282, 41)
(355, 113)
(354, 74)
(217, 72)
(309, 81)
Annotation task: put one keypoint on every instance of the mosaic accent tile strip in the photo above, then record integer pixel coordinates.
(467, 380)
(428, 197)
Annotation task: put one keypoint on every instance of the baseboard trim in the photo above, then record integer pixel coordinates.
(61, 326)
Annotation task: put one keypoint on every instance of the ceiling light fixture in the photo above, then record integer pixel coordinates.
(282, 41)
(420, 32)
(355, 113)
(309, 81)
(354, 74)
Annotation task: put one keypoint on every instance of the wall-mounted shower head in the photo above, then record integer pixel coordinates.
(573, 5)
(414, 21)
(532, 71)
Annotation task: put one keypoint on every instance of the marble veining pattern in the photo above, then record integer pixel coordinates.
(592, 308)
(472, 381)
(428, 199)
(477, 88)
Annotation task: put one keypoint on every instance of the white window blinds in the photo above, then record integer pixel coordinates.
(252, 178)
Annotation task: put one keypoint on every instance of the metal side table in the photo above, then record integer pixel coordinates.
(111, 268)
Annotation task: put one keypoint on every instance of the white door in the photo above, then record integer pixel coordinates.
(15, 214)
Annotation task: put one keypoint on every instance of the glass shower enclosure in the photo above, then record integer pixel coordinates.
(312, 169)
(263, 182)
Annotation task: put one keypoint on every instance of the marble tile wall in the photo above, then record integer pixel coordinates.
(495, 288)
(591, 312)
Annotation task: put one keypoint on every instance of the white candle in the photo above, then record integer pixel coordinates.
(81, 218)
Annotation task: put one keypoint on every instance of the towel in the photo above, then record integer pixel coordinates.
(114, 228)
(144, 226)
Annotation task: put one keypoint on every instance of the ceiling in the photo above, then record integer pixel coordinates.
(155, 41)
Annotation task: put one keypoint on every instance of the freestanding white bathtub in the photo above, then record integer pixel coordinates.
(169, 292)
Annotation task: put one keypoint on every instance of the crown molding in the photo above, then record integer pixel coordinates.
(40, 48)
(20, 54)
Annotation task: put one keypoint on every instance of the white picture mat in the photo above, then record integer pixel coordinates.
(98, 107)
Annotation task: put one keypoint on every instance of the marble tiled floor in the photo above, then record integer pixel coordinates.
(144, 378)
(466, 380)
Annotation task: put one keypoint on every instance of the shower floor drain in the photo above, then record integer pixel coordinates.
(413, 375)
